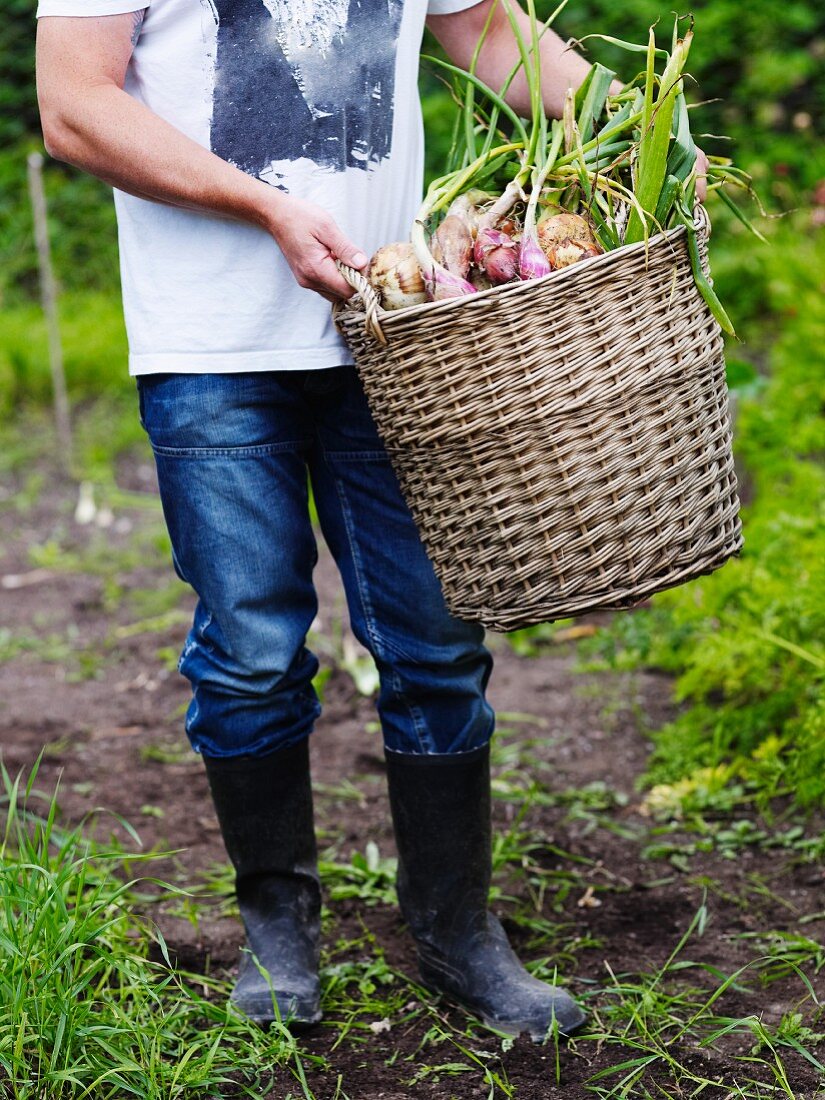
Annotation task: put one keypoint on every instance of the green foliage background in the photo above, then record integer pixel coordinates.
(762, 68)
(760, 72)
(745, 644)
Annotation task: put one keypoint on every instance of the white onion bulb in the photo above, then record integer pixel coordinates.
(395, 275)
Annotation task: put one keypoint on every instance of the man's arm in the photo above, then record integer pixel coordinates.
(89, 121)
(561, 67)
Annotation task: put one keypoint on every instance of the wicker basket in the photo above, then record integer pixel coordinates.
(564, 445)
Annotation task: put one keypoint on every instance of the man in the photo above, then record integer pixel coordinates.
(251, 143)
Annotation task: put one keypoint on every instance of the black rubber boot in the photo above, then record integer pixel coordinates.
(264, 806)
(441, 813)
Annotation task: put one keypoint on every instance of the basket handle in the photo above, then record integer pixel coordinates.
(372, 307)
(701, 219)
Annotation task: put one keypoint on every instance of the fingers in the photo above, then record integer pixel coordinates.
(344, 250)
(325, 279)
(311, 242)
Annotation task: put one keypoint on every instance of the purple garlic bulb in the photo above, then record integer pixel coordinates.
(496, 254)
(532, 262)
(442, 284)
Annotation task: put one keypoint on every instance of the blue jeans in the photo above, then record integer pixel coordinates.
(233, 452)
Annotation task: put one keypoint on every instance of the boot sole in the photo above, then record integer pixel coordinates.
(511, 1028)
(297, 1016)
(515, 1029)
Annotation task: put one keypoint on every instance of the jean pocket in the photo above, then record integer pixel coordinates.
(222, 415)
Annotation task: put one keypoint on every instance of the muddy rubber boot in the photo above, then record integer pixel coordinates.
(441, 813)
(264, 807)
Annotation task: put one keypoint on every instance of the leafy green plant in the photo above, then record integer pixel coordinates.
(368, 876)
(745, 644)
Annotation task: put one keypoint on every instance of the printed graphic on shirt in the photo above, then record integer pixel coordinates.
(304, 81)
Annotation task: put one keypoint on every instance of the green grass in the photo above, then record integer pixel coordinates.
(94, 349)
(84, 1010)
(91, 1004)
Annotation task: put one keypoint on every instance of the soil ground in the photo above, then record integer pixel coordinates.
(89, 681)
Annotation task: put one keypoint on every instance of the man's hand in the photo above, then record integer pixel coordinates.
(89, 121)
(311, 242)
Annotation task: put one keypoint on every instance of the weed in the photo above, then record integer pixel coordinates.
(83, 1009)
(368, 876)
(168, 657)
(661, 1020)
(157, 600)
(79, 662)
(99, 558)
(344, 790)
(786, 952)
(363, 995)
(172, 751)
(730, 837)
(158, 624)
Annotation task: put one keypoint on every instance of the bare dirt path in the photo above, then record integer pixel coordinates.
(88, 644)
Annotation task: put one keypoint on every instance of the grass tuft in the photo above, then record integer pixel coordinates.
(84, 1010)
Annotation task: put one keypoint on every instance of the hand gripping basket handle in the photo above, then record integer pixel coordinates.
(372, 306)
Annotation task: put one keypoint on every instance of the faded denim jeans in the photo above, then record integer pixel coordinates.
(233, 452)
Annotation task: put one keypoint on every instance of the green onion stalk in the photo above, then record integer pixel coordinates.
(439, 282)
(533, 264)
(626, 160)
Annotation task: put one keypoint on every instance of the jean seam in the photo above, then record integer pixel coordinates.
(366, 604)
(377, 640)
(419, 724)
(177, 566)
(355, 456)
(357, 566)
(192, 710)
(204, 641)
(256, 450)
(388, 645)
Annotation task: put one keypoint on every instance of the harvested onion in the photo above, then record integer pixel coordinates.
(453, 245)
(496, 255)
(566, 252)
(395, 275)
(564, 227)
(532, 262)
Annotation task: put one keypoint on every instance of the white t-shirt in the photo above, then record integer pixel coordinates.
(317, 97)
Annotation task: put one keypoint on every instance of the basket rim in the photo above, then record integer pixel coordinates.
(345, 313)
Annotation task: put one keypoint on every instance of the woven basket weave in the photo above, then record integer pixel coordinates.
(564, 445)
